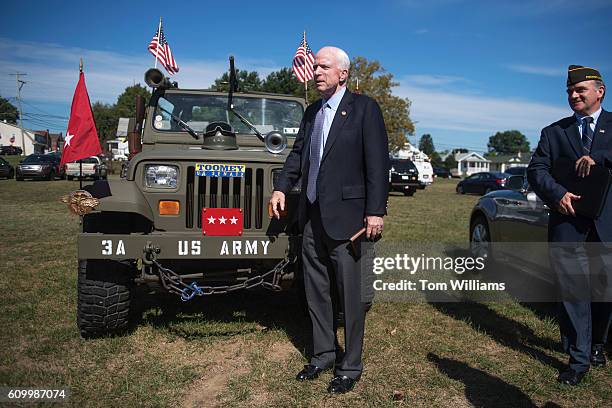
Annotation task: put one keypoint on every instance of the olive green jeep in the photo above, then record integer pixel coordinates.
(190, 213)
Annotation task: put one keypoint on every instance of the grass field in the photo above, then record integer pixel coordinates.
(244, 349)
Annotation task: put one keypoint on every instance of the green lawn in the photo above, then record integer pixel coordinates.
(244, 349)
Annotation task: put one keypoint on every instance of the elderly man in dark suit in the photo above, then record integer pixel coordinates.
(584, 138)
(341, 155)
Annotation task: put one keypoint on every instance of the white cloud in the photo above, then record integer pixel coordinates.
(432, 80)
(454, 111)
(538, 70)
(52, 70)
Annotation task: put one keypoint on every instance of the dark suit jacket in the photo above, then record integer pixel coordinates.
(353, 176)
(561, 140)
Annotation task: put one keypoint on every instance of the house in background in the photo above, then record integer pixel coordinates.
(503, 162)
(10, 135)
(468, 164)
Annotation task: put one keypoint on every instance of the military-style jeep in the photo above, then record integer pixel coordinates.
(190, 214)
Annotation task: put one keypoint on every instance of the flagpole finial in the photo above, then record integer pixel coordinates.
(81, 65)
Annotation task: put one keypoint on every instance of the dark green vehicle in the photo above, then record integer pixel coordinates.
(190, 214)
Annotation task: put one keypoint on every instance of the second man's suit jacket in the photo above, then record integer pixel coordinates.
(561, 140)
(353, 174)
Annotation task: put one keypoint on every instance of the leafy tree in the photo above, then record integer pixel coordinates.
(450, 162)
(8, 111)
(126, 102)
(375, 82)
(508, 142)
(247, 81)
(106, 120)
(107, 116)
(459, 150)
(426, 144)
(435, 159)
(283, 82)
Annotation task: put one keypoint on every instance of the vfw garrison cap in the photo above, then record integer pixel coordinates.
(578, 73)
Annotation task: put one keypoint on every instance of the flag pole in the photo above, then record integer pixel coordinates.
(158, 33)
(305, 80)
(80, 161)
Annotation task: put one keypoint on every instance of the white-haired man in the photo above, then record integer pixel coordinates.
(341, 155)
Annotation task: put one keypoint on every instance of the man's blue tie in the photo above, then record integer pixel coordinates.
(315, 154)
(587, 135)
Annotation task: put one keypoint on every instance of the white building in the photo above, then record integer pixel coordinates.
(10, 135)
(469, 163)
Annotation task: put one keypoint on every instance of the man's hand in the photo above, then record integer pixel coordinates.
(277, 200)
(583, 165)
(374, 226)
(565, 205)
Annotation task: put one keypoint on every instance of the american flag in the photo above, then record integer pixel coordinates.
(303, 61)
(161, 50)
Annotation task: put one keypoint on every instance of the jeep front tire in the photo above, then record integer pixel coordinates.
(104, 295)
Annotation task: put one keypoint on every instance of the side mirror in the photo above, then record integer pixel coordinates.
(516, 182)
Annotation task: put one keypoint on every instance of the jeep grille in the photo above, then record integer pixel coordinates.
(222, 192)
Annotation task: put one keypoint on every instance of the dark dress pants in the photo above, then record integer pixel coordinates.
(327, 261)
(583, 277)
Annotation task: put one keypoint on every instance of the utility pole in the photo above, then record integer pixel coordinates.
(20, 85)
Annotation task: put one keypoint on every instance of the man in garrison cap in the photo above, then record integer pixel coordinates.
(581, 140)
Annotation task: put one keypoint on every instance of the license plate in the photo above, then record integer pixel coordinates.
(405, 178)
(222, 221)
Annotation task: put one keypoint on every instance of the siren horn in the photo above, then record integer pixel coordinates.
(156, 79)
(275, 142)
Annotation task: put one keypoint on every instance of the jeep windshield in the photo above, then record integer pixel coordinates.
(197, 111)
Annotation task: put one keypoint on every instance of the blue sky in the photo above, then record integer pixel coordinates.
(470, 68)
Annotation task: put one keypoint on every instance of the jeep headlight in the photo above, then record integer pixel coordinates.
(161, 176)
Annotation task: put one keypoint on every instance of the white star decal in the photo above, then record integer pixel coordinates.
(234, 220)
(222, 220)
(211, 220)
(68, 138)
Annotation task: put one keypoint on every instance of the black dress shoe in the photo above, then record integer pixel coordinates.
(571, 377)
(598, 358)
(310, 372)
(341, 384)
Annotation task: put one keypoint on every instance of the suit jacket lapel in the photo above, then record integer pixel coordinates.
(574, 137)
(345, 106)
(604, 125)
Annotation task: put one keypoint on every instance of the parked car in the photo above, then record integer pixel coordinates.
(10, 150)
(93, 167)
(6, 170)
(57, 158)
(482, 183)
(517, 171)
(515, 218)
(37, 166)
(403, 176)
(442, 172)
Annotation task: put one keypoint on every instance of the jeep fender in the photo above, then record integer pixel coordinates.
(125, 197)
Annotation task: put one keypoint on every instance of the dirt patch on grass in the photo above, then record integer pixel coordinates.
(229, 360)
(282, 351)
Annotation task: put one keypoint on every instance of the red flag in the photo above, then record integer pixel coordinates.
(81, 137)
(222, 221)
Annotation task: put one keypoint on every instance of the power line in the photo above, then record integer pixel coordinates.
(20, 85)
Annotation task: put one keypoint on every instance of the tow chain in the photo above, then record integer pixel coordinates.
(173, 282)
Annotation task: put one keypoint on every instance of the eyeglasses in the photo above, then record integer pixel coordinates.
(223, 127)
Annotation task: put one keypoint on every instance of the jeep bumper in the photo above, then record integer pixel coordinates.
(185, 246)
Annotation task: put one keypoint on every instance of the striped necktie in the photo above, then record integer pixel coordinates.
(587, 135)
(315, 154)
